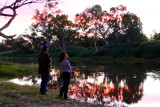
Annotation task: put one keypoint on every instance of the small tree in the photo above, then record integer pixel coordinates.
(156, 36)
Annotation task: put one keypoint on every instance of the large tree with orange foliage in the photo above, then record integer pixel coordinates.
(90, 21)
(115, 26)
(53, 23)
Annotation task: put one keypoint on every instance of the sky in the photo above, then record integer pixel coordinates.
(147, 10)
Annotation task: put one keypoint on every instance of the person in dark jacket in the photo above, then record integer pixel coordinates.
(44, 68)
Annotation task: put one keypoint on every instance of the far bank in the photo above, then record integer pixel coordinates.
(144, 51)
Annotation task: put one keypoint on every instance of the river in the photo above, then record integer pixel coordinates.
(108, 83)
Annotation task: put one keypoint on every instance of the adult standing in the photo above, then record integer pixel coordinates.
(44, 68)
(66, 74)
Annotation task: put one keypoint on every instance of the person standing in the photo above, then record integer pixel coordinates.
(66, 74)
(44, 68)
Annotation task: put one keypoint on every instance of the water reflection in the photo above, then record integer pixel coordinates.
(29, 80)
(106, 83)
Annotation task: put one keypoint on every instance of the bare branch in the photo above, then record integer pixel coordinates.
(7, 24)
(7, 36)
(14, 6)
(8, 15)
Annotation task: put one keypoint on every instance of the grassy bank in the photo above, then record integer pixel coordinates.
(12, 95)
(8, 70)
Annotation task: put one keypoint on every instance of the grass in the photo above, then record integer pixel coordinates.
(9, 70)
(28, 96)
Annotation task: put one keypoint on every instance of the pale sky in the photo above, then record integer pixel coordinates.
(147, 10)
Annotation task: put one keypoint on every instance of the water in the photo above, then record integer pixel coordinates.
(109, 83)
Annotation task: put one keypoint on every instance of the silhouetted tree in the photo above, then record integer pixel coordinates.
(43, 20)
(132, 28)
(64, 30)
(90, 21)
(156, 36)
(36, 40)
(125, 27)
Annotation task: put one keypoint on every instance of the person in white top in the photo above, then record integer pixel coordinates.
(66, 74)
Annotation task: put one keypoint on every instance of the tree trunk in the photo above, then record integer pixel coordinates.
(48, 41)
(103, 35)
(63, 43)
(95, 44)
(34, 47)
(106, 42)
(60, 47)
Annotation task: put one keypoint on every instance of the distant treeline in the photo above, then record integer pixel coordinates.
(146, 50)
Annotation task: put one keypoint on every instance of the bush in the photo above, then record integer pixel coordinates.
(150, 50)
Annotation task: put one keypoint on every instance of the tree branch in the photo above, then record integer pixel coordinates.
(8, 15)
(10, 20)
(6, 36)
(14, 6)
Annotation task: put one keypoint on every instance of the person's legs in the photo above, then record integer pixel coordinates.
(61, 91)
(66, 83)
(44, 83)
(62, 88)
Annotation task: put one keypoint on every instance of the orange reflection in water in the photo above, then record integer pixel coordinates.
(84, 90)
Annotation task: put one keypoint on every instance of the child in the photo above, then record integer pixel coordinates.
(66, 74)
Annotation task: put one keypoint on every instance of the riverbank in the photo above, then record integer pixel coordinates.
(12, 95)
(34, 60)
(146, 50)
(10, 70)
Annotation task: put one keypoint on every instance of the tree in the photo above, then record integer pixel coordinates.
(14, 6)
(8, 43)
(156, 36)
(132, 28)
(115, 30)
(86, 41)
(43, 19)
(3, 47)
(55, 24)
(35, 40)
(64, 31)
(99, 22)
(125, 27)
(89, 21)
(18, 43)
